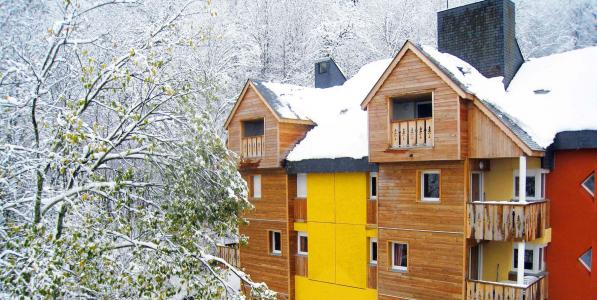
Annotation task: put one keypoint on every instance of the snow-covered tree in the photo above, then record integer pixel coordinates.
(113, 180)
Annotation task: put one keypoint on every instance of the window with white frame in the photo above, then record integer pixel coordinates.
(399, 253)
(589, 184)
(256, 186)
(430, 186)
(534, 256)
(302, 243)
(373, 251)
(373, 185)
(301, 185)
(586, 259)
(275, 243)
(535, 184)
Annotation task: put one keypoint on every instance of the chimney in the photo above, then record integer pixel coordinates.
(482, 34)
(327, 74)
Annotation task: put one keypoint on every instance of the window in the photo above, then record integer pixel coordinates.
(589, 184)
(275, 243)
(373, 185)
(302, 243)
(476, 186)
(586, 259)
(430, 186)
(256, 186)
(253, 128)
(412, 107)
(373, 251)
(533, 258)
(301, 185)
(535, 185)
(323, 67)
(399, 256)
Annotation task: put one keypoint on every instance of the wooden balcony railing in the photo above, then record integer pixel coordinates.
(300, 210)
(507, 221)
(412, 133)
(371, 211)
(252, 146)
(301, 263)
(372, 276)
(485, 290)
(229, 254)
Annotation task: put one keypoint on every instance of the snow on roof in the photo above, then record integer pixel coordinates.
(548, 95)
(341, 125)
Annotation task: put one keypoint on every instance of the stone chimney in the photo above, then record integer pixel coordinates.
(482, 34)
(327, 74)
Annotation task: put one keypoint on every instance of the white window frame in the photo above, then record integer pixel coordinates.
(536, 249)
(371, 176)
(538, 183)
(481, 187)
(422, 181)
(585, 180)
(395, 267)
(371, 261)
(256, 186)
(272, 234)
(298, 243)
(301, 185)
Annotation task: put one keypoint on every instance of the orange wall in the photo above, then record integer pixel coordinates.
(574, 226)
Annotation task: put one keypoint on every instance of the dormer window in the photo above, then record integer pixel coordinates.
(412, 121)
(323, 67)
(252, 138)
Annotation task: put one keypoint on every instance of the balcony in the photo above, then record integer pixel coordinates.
(252, 147)
(507, 221)
(301, 263)
(534, 289)
(229, 254)
(412, 133)
(371, 212)
(300, 210)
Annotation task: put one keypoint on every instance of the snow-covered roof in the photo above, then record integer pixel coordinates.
(341, 125)
(547, 95)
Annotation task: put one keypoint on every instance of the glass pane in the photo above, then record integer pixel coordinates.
(303, 244)
(424, 110)
(277, 242)
(323, 67)
(528, 259)
(403, 110)
(404, 254)
(530, 188)
(430, 185)
(587, 258)
(475, 187)
(374, 186)
(253, 128)
(589, 183)
(374, 251)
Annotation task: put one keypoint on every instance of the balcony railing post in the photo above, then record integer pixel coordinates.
(520, 267)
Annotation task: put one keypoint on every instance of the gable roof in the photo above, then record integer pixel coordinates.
(281, 111)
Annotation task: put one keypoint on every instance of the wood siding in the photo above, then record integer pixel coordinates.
(271, 213)
(290, 135)
(413, 75)
(435, 265)
(486, 139)
(399, 207)
(250, 108)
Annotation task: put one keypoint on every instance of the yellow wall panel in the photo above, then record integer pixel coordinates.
(322, 252)
(499, 181)
(497, 258)
(312, 290)
(320, 197)
(351, 194)
(351, 255)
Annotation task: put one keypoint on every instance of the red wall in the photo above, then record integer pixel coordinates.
(574, 226)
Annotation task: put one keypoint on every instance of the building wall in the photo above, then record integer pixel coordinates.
(270, 213)
(337, 233)
(574, 226)
(251, 108)
(411, 75)
(434, 232)
(499, 180)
